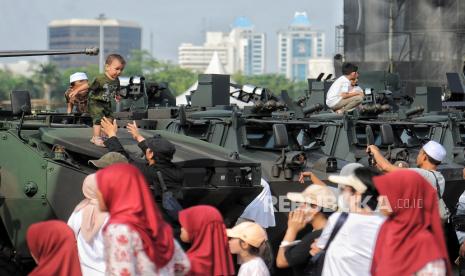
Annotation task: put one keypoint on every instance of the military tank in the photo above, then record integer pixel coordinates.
(44, 159)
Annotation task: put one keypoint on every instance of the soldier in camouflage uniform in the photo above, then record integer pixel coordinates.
(77, 93)
(103, 89)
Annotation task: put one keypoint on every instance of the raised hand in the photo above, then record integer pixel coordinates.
(108, 127)
(132, 128)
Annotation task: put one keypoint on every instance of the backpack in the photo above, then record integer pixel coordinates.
(315, 266)
(444, 212)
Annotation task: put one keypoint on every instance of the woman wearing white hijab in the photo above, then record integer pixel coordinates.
(87, 222)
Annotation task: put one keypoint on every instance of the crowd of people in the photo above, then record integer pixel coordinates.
(373, 224)
(383, 221)
(386, 224)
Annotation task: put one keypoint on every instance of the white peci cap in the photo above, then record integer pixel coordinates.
(77, 77)
(435, 150)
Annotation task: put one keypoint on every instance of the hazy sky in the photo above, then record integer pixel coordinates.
(24, 22)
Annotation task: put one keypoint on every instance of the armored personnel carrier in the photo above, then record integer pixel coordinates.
(265, 132)
(44, 159)
(395, 122)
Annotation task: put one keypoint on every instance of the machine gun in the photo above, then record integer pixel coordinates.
(262, 98)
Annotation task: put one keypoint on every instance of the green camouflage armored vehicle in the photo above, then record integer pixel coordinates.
(265, 132)
(44, 159)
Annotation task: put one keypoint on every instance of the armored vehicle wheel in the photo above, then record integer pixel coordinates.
(10, 264)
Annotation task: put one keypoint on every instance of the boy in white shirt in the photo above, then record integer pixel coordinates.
(342, 95)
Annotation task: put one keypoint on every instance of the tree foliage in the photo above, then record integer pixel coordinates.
(48, 78)
(276, 83)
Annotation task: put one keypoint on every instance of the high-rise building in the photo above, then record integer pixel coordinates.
(242, 50)
(296, 45)
(249, 47)
(197, 58)
(119, 37)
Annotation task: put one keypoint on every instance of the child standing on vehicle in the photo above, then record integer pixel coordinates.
(76, 95)
(103, 89)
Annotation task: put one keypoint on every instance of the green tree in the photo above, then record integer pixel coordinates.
(49, 82)
(49, 77)
(275, 82)
(142, 63)
(10, 81)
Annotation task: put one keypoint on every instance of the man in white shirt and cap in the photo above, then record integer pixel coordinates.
(76, 94)
(343, 96)
(428, 160)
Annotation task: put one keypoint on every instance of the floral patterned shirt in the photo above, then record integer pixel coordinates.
(125, 255)
(433, 268)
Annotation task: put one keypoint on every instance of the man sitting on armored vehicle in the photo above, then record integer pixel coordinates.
(342, 96)
(158, 153)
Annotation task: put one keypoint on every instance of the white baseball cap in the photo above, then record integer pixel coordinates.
(316, 194)
(350, 180)
(435, 150)
(77, 77)
(350, 169)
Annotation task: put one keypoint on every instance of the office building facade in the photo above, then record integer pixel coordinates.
(241, 50)
(119, 37)
(296, 45)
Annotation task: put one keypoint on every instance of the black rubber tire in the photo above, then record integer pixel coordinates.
(10, 267)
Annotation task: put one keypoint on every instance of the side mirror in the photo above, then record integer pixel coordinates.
(20, 102)
(370, 136)
(280, 136)
(387, 134)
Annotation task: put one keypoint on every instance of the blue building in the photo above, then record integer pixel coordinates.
(250, 47)
(297, 45)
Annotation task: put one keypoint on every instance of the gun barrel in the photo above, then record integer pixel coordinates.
(21, 53)
(414, 110)
(312, 108)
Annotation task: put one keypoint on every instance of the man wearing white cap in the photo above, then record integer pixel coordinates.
(428, 159)
(76, 95)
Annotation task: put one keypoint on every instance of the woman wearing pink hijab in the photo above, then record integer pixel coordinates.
(87, 222)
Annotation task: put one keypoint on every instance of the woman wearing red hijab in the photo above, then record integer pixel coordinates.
(53, 247)
(204, 228)
(137, 240)
(411, 241)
